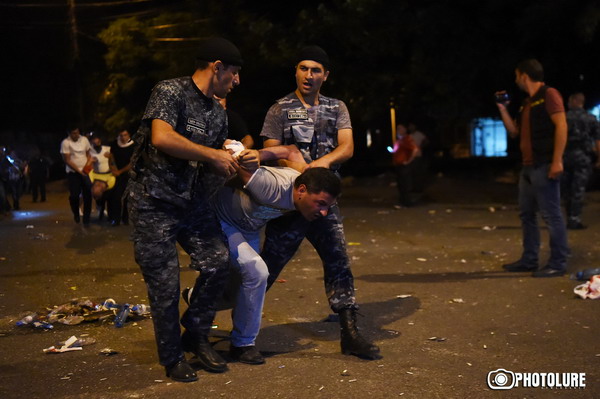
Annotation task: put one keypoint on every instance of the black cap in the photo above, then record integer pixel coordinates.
(314, 53)
(217, 48)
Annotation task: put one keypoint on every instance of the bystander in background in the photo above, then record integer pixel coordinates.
(121, 151)
(75, 151)
(4, 205)
(39, 172)
(421, 162)
(14, 169)
(542, 128)
(582, 138)
(100, 176)
(403, 155)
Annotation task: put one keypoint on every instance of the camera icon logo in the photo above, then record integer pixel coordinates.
(501, 379)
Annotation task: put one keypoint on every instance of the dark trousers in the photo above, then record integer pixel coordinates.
(577, 172)
(16, 190)
(117, 204)
(38, 184)
(404, 180)
(78, 186)
(158, 227)
(539, 194)
(4, 205)
(284, 235)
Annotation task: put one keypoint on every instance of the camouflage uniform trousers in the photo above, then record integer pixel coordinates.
(158, 226)
(577, 172)
(284, 235)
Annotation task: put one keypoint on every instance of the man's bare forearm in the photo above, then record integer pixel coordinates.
(289, 152)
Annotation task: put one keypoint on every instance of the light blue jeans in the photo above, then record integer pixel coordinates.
(537, 192)
(247, 312)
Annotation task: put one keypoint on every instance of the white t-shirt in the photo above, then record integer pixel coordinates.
(102, 165)
(77, 150)
(418, 137)
(268, 195)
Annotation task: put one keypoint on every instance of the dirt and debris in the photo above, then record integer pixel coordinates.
(79, 310)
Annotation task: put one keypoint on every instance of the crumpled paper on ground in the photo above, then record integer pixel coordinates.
(67, 347)
(590, 289)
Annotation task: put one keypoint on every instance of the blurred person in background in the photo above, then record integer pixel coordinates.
(75, 150)
(582, 139)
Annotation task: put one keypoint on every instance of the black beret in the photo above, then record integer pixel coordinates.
(216, 48)
(314, 53)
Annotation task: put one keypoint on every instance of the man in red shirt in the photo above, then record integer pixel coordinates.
(542, 127)
(404, 152)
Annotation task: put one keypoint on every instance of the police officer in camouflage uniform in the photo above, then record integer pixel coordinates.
(583, 136)
(175, 165)
(320, 127)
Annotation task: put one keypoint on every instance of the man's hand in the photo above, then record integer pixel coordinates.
(319, 163)
(509, 124)
(503, 104)
(249, 160)
(556, 168)
(222, 162)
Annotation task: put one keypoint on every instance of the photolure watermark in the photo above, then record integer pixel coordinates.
(504, 379)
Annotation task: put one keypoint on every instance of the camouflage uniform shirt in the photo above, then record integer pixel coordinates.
(583, 130)
(196, 117)
(313, 130)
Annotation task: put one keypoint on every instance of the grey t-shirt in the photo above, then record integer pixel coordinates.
(268, 195)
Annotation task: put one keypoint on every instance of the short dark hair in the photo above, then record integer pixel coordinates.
(533, 68)
(93, 136)
(578, 98)
(317, 180)
(201, 64)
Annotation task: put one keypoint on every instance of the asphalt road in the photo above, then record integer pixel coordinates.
(428, 280)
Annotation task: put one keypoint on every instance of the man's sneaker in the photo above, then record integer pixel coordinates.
(246, 354)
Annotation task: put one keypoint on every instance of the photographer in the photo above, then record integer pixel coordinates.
(542, 128)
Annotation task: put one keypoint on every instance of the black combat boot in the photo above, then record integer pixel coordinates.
(205, 354)
(352, 342)
(182, 372)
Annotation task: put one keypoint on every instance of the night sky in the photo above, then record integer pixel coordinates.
(445, 43)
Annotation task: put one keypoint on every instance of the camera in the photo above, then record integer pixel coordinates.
(501, 379)
(502, 98)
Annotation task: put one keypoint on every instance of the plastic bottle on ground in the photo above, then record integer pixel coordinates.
(122, 315)
(140, 309)
(586, 274)
(27, 319)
